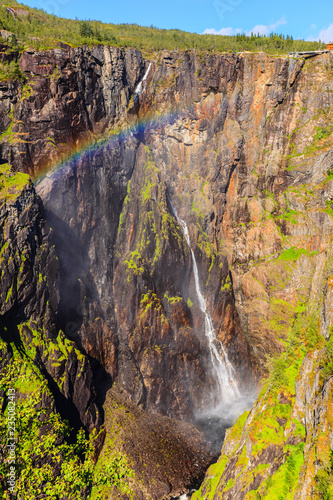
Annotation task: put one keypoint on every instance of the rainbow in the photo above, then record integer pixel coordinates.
(112, 138)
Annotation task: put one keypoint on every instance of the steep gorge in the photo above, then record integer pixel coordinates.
(241, 146)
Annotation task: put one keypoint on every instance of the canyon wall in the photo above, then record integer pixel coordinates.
(241, 146)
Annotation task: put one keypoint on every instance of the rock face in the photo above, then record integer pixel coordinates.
(175, 453)
(69, 97)
(30, 299)
(240, 146)
(168, 456)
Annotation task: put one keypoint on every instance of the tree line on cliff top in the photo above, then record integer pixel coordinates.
(36, 28)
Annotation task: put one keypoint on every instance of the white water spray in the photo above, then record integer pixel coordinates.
(142, 85)
(228, 389)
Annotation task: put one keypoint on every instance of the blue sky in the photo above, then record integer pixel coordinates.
(302, 19)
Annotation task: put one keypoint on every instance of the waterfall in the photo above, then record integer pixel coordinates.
(139, 89)
(224, 372)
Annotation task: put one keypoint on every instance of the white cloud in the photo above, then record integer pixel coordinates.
(326, 35)
(260, 29)
(224, 31)
(263, 29)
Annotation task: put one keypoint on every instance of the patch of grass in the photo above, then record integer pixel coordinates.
(324, 481)
(134, 264)
(213, 475)
(11, 183)
(282, 484)
(293, 253)
(322, 132)
(271, 424)
(10, 71)
(172, 300)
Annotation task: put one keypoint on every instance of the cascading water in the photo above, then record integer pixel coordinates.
(139, 89)
(223, 369)
(229, 400)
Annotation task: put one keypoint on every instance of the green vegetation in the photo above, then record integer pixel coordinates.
(303, 337)
(146, 191)
(134, 264)
(11, 183)
(197, 210)
(172, 300)
(189, 303)
(9, 67)
(320, 139)
(156, 227)
(112, 473)
(50, 462)
(226, 286)
(320, 135)
(207, 248)
(282, 484)
(272, 424)
(324, 481)
(150, 305)
(10, 71)
(293, 253)
(322, 132)
(289, 215)
(36, 28)
(328, 357)
(8, 134)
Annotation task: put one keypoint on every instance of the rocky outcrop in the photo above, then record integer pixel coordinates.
(71, 383)
(69, 97)
(282, 447)
(168, 457)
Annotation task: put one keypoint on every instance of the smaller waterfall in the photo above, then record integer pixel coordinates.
(223, 369)
(141, 86)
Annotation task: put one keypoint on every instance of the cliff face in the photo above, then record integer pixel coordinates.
(229, 162)
(240, 147)
(282, 447)
(30, 297)
(38, 359)
(68, 97)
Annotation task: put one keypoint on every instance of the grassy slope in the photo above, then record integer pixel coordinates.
(34, 27)
(269, 441)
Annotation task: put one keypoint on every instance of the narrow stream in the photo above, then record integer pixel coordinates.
(140, 88)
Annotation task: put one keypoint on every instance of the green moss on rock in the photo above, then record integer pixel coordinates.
(11, 183)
